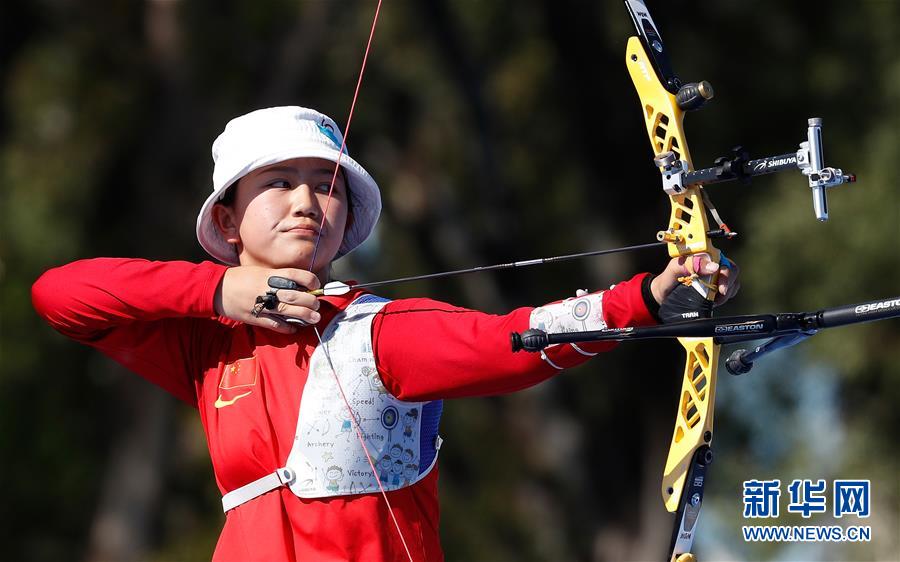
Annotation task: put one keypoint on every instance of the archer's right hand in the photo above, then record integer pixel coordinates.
(236, 297)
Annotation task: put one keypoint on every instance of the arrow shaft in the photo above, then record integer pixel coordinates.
(510, 265)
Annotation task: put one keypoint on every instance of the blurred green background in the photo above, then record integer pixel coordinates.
(498, 130)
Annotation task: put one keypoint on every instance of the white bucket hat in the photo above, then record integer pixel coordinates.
(272, 135)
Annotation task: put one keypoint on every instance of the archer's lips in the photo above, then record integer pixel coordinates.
(304, 230)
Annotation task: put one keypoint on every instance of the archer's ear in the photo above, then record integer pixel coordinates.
(224, 220)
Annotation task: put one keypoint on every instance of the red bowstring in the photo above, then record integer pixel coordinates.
(337, 168)
(362, 441)
(337, 165)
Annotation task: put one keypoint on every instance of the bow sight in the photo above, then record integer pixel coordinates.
(809, 159)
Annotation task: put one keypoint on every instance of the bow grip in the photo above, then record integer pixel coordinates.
(686, 302)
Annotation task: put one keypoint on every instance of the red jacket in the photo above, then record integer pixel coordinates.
(157, 319)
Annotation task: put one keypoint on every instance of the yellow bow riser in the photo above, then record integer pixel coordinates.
(687, 235)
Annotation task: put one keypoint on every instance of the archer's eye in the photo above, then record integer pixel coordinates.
(280, 184)
(324, 187)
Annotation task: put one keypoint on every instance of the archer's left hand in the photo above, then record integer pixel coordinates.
(728, 283)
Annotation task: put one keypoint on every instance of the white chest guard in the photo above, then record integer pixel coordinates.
(326, 458)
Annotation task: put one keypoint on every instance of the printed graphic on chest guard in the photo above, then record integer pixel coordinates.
(327, 455)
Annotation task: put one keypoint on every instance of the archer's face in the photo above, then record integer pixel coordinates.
(277, 214)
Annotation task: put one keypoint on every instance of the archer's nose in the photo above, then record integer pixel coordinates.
(304, 202)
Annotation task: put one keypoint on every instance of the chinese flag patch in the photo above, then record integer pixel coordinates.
(240, 374)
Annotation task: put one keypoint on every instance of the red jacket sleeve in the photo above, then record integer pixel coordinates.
(427, 350)
(145, 315)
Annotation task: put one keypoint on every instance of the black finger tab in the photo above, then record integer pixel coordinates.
(277, 282)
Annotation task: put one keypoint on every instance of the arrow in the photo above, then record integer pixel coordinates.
(335, 288)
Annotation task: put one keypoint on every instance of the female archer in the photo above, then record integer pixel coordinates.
(280, 376)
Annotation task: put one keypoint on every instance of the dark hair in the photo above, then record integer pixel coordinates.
(228, 195)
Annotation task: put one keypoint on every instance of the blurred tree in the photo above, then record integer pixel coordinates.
(497, 130)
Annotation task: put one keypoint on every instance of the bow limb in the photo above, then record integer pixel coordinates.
(683, 477)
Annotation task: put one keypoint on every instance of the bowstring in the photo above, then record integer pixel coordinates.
(362, 441)
(322, 345)
(337, 165)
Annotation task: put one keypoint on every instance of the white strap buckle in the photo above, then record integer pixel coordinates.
(284, 476)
